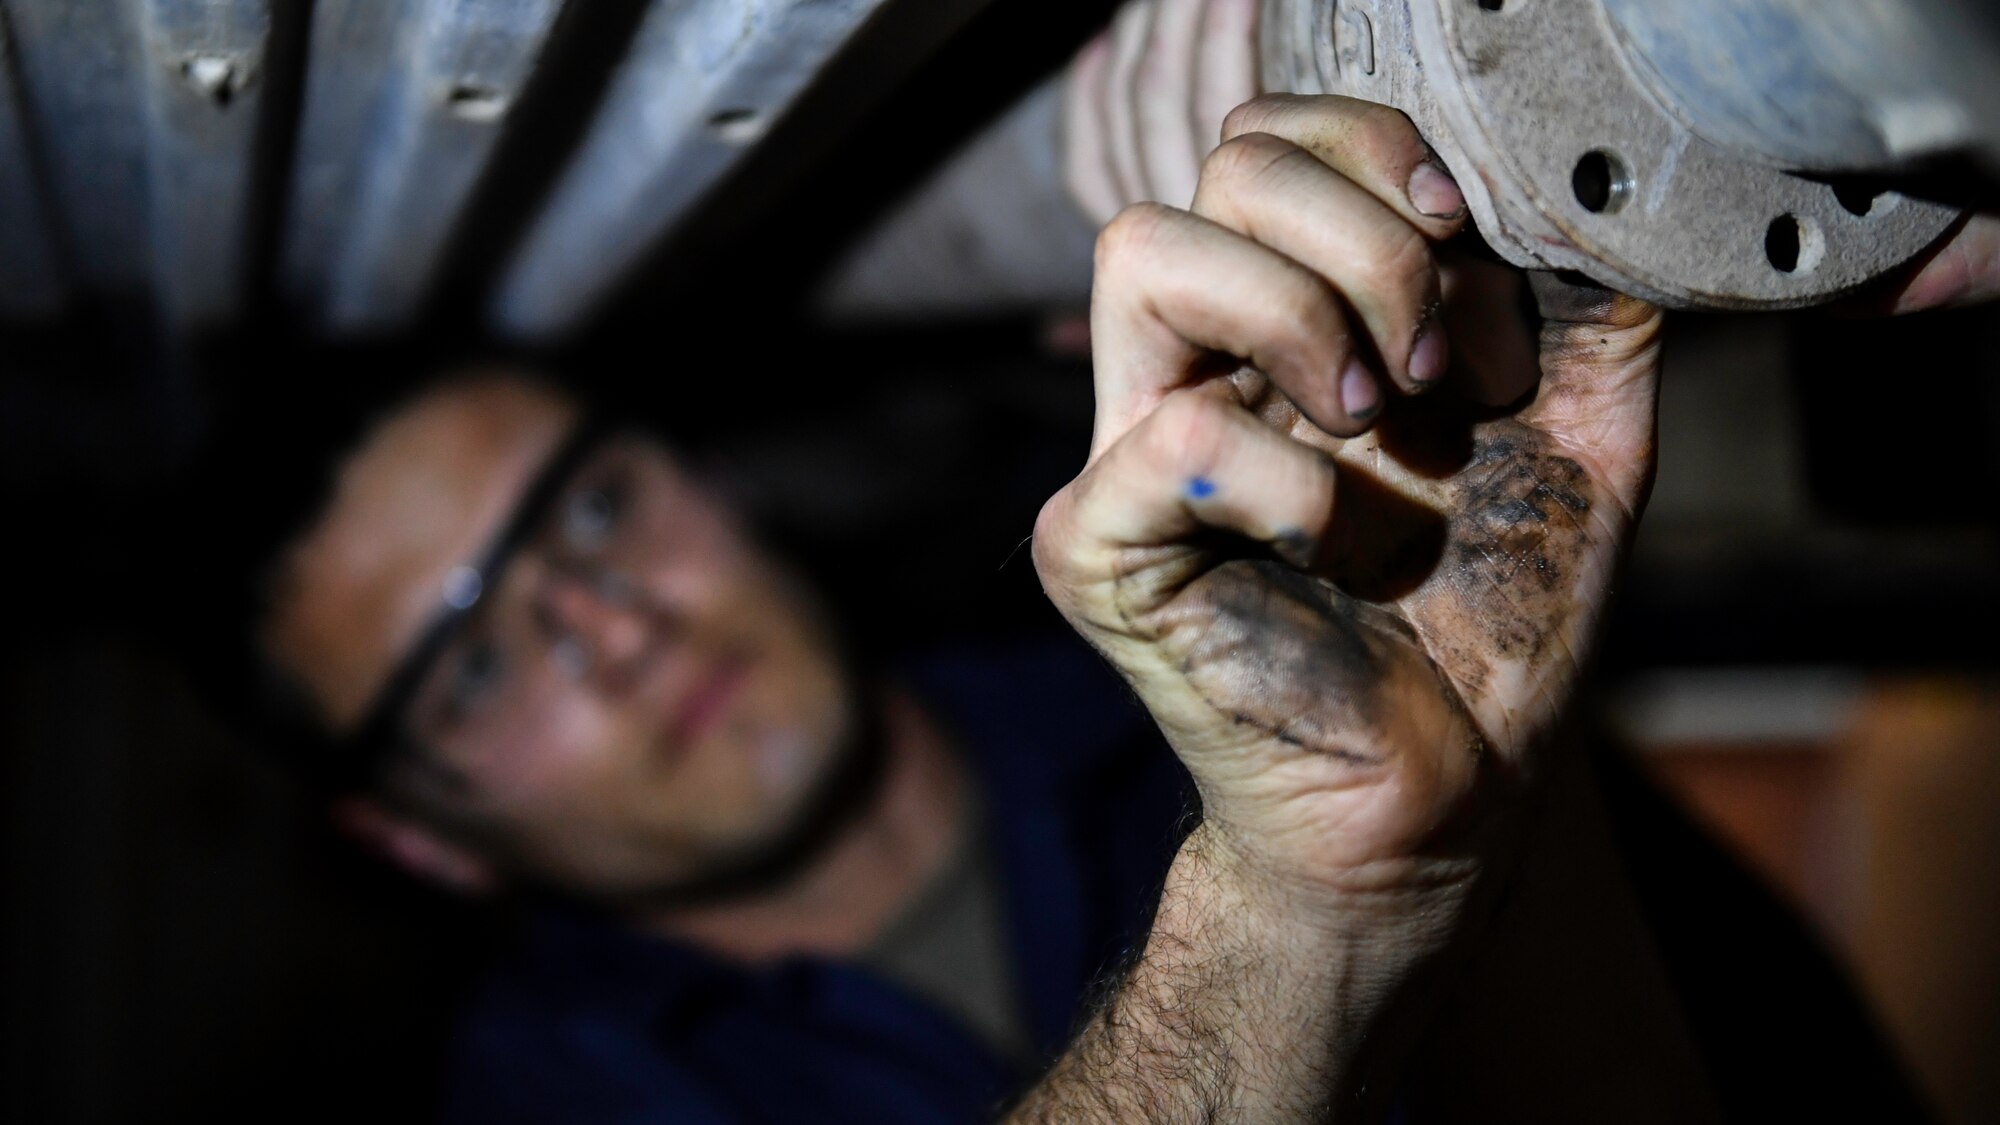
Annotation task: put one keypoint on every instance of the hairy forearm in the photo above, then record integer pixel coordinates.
(1250, 1004)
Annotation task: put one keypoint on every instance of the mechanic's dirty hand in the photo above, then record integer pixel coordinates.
(1357, 640)
(1144, 102)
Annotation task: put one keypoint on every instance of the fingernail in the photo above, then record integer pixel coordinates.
(1295, 547)
(1358, 393)
(1434, 192)
(1429, 356)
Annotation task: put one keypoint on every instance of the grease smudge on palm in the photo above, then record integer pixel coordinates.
(1357, 639)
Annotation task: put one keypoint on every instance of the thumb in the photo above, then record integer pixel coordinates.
(1600, 360)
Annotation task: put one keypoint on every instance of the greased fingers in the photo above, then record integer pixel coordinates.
(1373, 145)
(1199, 461)
(1599, 389)
(1173, 288)
(1288, 199)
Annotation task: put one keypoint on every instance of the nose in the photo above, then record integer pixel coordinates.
(595, 625)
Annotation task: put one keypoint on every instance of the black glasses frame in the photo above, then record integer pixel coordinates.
(380, 734)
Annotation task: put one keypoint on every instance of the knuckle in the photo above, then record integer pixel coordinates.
(1400, 262)
(1130, 235)
(1243, 158)
(1300, 324)
(1050, 545)
(1256, 115)
(1381, 130)
(1304, 311)
(1062, 544)
(1185, 432)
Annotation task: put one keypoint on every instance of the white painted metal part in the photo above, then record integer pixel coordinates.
(1571, 160)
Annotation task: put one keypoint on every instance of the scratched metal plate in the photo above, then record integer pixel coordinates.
(1515, 99)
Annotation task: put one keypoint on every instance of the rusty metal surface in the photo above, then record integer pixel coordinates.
(1570, 161)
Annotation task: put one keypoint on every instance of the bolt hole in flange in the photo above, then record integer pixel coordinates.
(1601, 182)
(1782, 243)
(1858, 197)
(1793, 245)
(1492, 5)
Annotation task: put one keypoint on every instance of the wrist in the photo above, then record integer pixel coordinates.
(1324, 994)
(1294, 870)
(1297, 920)
(1223, 1015)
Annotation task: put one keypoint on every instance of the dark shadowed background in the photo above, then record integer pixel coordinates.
(1804, 650)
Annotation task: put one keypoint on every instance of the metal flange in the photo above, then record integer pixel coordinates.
(1570, 160)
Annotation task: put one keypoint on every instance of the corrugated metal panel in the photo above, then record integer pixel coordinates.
(203, 65)
(31, 282)
(130, 142)
(352, 50)
(146, 113)
(404, 104)
(80, 71)
(703, 79)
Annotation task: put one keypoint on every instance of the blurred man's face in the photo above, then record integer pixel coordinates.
(638, 698)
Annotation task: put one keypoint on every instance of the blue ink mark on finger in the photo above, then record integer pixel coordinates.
(1200, 488)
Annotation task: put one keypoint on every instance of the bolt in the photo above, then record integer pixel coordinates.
(214, 77)
(476, 102)
(738, 126)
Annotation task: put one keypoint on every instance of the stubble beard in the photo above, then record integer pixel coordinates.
(847, 786)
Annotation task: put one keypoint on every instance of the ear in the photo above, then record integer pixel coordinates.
(414, 847)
